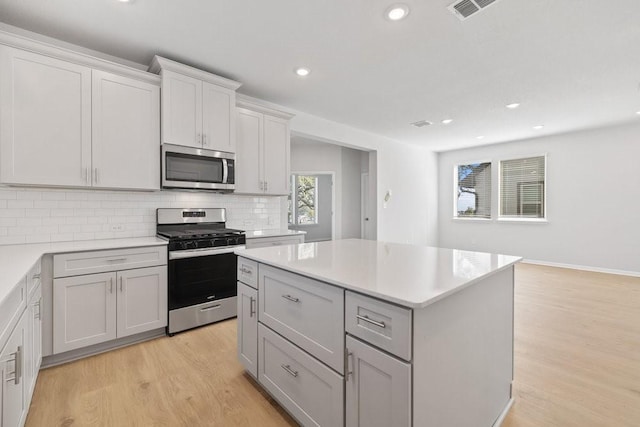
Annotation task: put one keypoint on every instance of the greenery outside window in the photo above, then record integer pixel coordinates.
(473, 190)
(303, 200)
(523, 188)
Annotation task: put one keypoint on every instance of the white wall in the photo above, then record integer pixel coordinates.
(593, 201)
(351, 198)
(410, 172)
(48, 215)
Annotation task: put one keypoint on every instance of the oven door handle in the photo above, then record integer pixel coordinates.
(203, 252)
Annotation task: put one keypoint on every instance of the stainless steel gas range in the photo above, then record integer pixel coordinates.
(202, 266)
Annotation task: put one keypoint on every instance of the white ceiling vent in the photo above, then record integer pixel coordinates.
(463, 9)
(421, 123)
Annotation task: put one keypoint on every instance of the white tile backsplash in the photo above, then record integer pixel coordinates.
(52, 215)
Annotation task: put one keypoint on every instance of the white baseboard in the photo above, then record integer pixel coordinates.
(583, 268)
(504, 413)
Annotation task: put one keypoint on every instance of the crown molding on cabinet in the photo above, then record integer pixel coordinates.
(258, 105)
(158, 63)
(25, 43)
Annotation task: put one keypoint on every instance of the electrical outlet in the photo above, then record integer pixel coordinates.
(117, 227)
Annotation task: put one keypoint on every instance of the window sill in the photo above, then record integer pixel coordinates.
(473, 219)
(524, 220)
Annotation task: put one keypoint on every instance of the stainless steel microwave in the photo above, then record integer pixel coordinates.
(196, 168)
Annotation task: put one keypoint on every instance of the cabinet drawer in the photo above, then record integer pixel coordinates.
(11, 307)
(248, 272)
(307, 312)
(382, 324)
(310, 391)
(33, 277)
(78, 263)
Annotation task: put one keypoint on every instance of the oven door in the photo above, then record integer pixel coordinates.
(188, 167)
(201, 279)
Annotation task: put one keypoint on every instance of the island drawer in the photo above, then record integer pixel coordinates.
(384, 325)
(79, 263)
(311, 392)
(248, 272)
(307, 312)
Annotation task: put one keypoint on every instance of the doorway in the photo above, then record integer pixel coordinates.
(311, 205)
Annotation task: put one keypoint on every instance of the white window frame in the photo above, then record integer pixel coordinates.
(455, 193)
(510, 218)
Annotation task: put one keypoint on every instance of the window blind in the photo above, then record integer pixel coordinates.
(522, 187)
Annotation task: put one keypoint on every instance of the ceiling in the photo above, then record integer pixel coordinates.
(571, 64)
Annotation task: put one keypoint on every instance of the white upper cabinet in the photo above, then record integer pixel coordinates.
(67, 123)
(263, 141)
(198, 108)
(45, 121)
(126, 132)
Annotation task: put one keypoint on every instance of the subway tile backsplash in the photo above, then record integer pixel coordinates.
(51, 215)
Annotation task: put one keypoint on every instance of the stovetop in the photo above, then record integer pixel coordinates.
(199, 233)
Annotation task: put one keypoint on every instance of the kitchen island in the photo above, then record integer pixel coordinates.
(358, 332)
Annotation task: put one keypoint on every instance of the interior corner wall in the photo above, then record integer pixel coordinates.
(593, 201)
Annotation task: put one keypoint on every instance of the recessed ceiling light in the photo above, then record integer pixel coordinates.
(124, 1)
(447, 121)
(480, 137)
(397, 12)
(302, 72)
(638, 113)
(513, 106)
(538, 127)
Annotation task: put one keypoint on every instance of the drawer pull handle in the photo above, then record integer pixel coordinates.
(290, 298)
(349, 364)
(17, 366)
(289, 370)
(35, 276)
(373, 322)
(246, 270)
(213, 307)
(117, 260)
(252, 306)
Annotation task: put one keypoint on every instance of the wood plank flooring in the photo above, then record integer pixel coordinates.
(577, 363)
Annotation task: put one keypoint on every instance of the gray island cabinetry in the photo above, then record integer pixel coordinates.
(366, 333)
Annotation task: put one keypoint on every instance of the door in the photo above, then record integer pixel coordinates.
(45, 120)
(378, 387)
(142, 300)
(366, 225)
(181, 110)
(248, 328)
(126, 133)
(248, 151)
(14, 407)
(276, 155)
(218, 118)
(84, 311)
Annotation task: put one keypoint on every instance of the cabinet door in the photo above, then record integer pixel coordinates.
(142, 300)
(378, 388)
(181, 110)
(248, 328)
(84, 311)
(14, 407)
(276, 155)
(126, 133)
(36, 332)
(249, 152)
(218, 118)
(45, 120)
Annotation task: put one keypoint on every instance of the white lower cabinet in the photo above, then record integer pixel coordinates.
(14, 386)
(33, 345)
(95, 308)
(308, 389)
(248, 328)
(378, 387)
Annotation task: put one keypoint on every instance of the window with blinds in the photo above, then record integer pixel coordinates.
(522, 188)
(473, 198)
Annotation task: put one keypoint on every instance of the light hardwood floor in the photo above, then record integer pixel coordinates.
(577, 363)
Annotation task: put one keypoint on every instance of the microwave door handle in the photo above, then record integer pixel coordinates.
(225, 171)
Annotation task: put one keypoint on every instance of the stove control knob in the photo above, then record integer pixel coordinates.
(189, 245)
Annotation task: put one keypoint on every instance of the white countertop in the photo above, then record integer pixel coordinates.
(409, 275)
(16, 260)
(256, 234)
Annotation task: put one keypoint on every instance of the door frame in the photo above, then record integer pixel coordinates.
(333, 195)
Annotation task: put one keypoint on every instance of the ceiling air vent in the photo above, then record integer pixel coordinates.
(465, 8)
(421, 123)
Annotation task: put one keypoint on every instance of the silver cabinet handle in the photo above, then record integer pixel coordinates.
(111, 285)
(290, 298)
(35, 276)
(120, 283)
(349, 364)
(96, 174)
(289, 370)
(117, 260)
(36, 314)
(252, 309)
(373, 322)
(87, 175)
(17, 366)
(204, 139)
(198, 139)
(213, 307)
(266, 186)
(246, 270)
